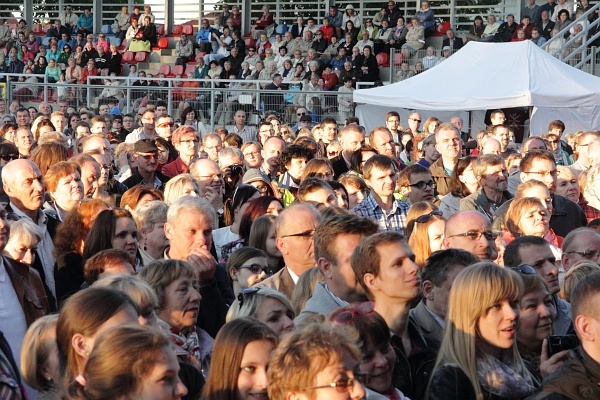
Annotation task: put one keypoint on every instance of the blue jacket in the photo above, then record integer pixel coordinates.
(204, 35)
(86, 22)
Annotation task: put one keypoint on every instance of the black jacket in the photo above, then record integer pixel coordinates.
(449, 382)
(412, 372)
(577, 379)
(339, 166)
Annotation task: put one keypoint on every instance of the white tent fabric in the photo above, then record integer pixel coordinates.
(485, 76)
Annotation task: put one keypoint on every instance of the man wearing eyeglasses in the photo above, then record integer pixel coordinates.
(449, 145)
(146, 158)
(536, 252)
(294, 231)
(580, 244)
(414, 122)
(416, 184)
(471, 231)
(490, 172)
(68, 18)
(186, 142)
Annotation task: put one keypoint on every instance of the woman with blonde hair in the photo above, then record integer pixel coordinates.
(528, 216)
(179, 186)
(574, 275)
(150, 220)
(478, 357)
(424, 230)
(39, 358)
(265, 304)
(567, 185)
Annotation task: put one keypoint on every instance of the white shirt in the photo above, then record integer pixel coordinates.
(221, 237)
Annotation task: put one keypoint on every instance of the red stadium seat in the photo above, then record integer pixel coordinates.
(176, 31)
(160, 30)
(140, 56)
(188, 29)
(37, 29)
(165, 69)
(163, 43)
(190, 69)
(128, 57)
(177, 70)
(47, 27)
(249, 42)
(398, 58)
(382, 59)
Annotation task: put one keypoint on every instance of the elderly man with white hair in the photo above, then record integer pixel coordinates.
(189, 230)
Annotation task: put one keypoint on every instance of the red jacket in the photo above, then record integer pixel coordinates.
(175, 168)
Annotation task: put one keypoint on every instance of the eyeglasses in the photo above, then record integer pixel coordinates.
(421, 185)
(587, 254)
(416, 120)
(304, 235)
(348, 316)
(169, 124)
(544, 174)
(475, 235)
(9, 157)
(425, 218)
(525, 269)
(148, 156)
(254, 268)
(210, 177)
(252, 154)
(300, 114)
(340, 386)
(552, 141)
(262, 188)
(246, 292)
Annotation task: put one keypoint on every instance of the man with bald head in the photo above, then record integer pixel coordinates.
(471, 231)
(294, 231)
(381, 139)
(24, 185)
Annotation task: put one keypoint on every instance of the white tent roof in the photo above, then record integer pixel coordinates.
(485, 76)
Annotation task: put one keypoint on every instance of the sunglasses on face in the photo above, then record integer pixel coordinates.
(9, 157)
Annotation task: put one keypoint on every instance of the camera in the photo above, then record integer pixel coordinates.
(559, 343)
(236, 169)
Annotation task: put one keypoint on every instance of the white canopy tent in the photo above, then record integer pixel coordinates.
(484, 76)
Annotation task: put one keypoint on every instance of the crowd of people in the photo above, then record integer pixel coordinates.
(157, 261)
(147, 257)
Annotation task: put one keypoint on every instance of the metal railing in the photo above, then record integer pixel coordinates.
(576, 49)
(216, 104)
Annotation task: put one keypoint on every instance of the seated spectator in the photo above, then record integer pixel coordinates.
(145, 38)
(85, 22)
(477, 28)
(102, 43)
(132, 30)
(264, 24)
(526, 25)
(490, 29)
(368, 66)
(506, 30)
(415, 39)
(353, 17)
(537, 38)
(365, 41)
(430, 60)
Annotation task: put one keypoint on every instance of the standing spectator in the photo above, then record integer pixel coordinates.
(426, 18)
(532, 10)
(350, 15)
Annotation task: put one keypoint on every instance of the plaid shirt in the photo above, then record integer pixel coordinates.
(591, 213)
(394, 221)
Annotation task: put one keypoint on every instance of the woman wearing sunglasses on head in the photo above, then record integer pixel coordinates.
(376, 367)
(265, 304)
(424, 230)
(478, 358)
